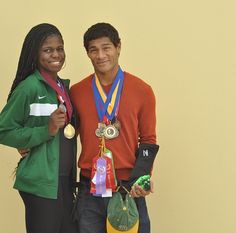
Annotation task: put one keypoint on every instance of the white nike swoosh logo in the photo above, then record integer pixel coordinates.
(41, 97)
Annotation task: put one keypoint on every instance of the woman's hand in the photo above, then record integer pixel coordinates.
(23, 152)
(57, 120)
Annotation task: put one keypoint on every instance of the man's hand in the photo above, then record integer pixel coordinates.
(57, 120)
(138, 191)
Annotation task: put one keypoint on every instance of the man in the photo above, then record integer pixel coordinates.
(116, 112)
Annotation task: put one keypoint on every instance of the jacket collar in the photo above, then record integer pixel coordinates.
(39, 77)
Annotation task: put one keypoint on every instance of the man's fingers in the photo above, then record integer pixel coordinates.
(138, 191)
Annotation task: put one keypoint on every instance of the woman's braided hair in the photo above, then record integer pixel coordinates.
(28, 61)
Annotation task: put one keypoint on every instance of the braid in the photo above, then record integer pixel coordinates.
(28, 60)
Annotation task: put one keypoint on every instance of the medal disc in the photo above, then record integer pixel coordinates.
(100, 130)
(117, 124)
(62, 107)
(69, 131)
(98, 133)
(111, 132)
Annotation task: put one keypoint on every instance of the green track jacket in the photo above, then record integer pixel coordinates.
(24, 124)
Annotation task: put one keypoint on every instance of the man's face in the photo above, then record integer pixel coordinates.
(103, 55)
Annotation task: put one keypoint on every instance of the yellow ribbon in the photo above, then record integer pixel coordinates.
(104, 97)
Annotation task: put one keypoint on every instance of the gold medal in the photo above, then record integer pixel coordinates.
(69, 131)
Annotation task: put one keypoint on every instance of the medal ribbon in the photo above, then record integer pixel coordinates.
(107, 104)
(103, 171)
(101, 175)
(62, 94)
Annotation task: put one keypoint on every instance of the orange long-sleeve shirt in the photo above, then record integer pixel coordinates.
(136, 115)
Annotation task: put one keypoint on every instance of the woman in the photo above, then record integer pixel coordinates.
(38, 116)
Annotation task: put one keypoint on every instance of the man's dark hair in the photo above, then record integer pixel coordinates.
(28, 61)
(101, 30)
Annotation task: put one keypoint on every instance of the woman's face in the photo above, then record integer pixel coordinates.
(51, 55)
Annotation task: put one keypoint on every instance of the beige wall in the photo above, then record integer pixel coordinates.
(186, 51)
